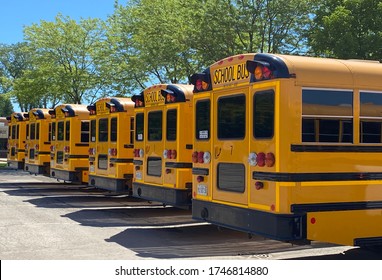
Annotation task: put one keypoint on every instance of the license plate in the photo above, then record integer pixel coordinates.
(202, 189)
(138, 175)
(91, 168)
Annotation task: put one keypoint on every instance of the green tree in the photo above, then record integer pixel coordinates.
(6, 107)
(348, 29)
(65, 57)
(15, 60)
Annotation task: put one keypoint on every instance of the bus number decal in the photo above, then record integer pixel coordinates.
(203, 134)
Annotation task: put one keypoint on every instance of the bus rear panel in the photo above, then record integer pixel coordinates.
(293, 147)
(163, 144)
(111, 144)
(69, 157)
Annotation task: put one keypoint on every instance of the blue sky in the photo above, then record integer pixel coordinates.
(15, 14)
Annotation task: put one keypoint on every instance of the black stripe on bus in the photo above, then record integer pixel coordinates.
(178, 164)
(121, 160)
(78, 156)
(200, 171)
(42, 153)
(305, 177)
(138, 162)
(128, 146)
(81, 144)
(336, 148)
(336, 206)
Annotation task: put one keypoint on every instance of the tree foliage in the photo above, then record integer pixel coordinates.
(6, 107)
(65, 55)
(348, 29)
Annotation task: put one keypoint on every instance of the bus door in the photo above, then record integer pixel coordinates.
(154, 146)
(261, 156)
(230, 146)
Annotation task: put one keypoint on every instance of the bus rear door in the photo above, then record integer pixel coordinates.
(230, 146)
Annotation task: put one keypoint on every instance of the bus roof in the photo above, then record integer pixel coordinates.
(120, 104)
(161, 94)
(71, 110)
(39, 113)
(307, 71)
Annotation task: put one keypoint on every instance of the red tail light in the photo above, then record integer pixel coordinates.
(173, 154)
(37, 146)
(195, 157)
(270, 159)
(261, 159)
(66, 149)
(200, 157)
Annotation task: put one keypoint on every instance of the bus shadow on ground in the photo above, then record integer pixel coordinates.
(132, 216)
(352, 254)
(75, 199)
(196, 241)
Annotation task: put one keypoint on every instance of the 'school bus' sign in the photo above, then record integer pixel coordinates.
(154, 98)
(230, 74)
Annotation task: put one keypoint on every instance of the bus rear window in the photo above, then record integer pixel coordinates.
(139, 126)
(93, 130)
(171, 125)
(264, 114)
(113, 129)
(84, 131)
(60, 131)
(33, 131)
(202, 119)
(103, 130)
(67, 131)
(155, 126)
(231, 117)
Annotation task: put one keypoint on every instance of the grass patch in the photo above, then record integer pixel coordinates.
(3, 164)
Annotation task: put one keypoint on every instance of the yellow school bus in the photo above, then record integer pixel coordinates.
(37, 151)
(163, 144)
(289, 147)
(111, 144)
(69, 158)
(17, 128)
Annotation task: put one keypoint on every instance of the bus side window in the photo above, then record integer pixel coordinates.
(327, 116)
(370, 117)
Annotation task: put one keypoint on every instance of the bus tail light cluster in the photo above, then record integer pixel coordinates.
(201, 157)
(169, 154)
(92, 151)
(138, 153)
(37, 147)
(52, 148)
(112, 152)
(261, 159)
(66, 149)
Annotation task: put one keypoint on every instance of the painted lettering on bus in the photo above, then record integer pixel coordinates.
(102, 109)
(154, 97)
(230, 74)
